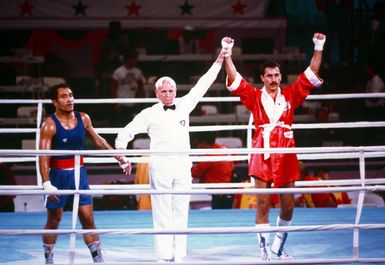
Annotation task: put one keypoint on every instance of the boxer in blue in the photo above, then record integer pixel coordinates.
(66, 130)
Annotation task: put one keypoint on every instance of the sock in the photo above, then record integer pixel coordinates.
(96, 252)
(263, 238)
(280, 237)
(48, 252)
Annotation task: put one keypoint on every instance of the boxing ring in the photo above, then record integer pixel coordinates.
(317, 235)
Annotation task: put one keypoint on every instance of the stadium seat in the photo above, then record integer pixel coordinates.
(209, 110)
(231, 142)
(51, 81)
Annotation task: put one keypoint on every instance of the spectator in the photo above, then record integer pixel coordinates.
(376, 40)
(113, 48)
(312, 200)
(142, 177)
(338, 197)
(6, 178)
(375, 84)
(127, 82)
(188, 41)
(327, 136)
(214, 172)
(321, 115)
(249, 201)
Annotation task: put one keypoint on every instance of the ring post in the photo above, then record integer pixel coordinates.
(39, 116)
(75, 210)
(360, 204)
(249, 139)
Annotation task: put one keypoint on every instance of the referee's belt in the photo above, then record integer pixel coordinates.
(64, 162)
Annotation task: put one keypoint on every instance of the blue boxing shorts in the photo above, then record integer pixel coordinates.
(64, 179)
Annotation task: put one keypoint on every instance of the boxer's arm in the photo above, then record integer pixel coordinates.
(319, 41)
(101, 143)
(231, 71)
(47, 132)
(98, 141)
(124, 163)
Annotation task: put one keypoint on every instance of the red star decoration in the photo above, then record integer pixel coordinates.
(133, 8)
(26, 8)
(238, 8)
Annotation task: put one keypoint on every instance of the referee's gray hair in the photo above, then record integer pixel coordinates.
(160, 81)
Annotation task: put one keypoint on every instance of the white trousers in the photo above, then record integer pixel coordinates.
(170, 211)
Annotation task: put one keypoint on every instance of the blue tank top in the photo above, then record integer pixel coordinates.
(68, 139)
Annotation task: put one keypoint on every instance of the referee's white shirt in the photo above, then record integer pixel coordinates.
(169, 130)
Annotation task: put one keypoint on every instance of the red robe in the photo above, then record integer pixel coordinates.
(273, 118)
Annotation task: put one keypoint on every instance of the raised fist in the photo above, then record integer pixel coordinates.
(227, 45)
(319, 41)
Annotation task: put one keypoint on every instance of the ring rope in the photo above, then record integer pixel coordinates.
(201, 151)
(204, 99)
(108, 160)
(336, 125)
(344, 182)
(193, 191)
(193, 230)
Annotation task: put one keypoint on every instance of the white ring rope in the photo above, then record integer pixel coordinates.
(213, 186)
(193, 230)
(200, 151)
(192, 192)
(361, 185)
(337, 125)
(204, 99)
(108, 160)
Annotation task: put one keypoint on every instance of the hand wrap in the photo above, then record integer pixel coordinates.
(226, 46)
(48, 186)
(124, 164)
(319, 44)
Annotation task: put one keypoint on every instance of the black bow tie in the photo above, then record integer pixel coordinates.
(169, 107)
